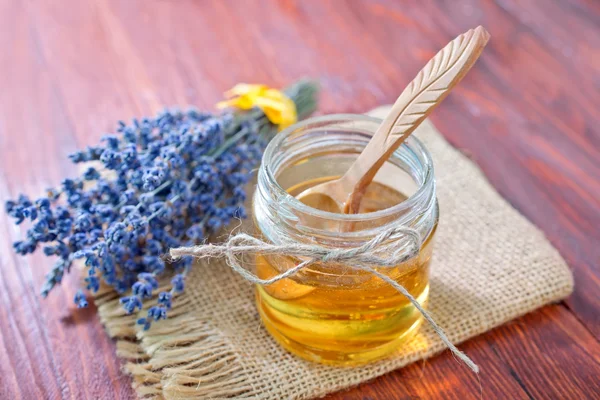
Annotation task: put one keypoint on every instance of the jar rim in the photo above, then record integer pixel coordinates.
(410, 203)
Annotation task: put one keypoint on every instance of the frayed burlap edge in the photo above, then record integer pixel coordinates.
(194, 361)
(200, 363)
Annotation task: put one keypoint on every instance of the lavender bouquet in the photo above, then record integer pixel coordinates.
(158, 183)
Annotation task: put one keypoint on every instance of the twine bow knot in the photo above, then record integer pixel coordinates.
(388, 249)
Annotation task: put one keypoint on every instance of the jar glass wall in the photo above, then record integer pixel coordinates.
(332, 313)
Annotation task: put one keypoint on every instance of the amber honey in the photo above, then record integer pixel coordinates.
(337, 315)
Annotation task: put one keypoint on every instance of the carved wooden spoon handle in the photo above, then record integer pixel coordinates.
(431, 85)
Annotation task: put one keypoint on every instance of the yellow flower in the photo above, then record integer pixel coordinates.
(278, 108)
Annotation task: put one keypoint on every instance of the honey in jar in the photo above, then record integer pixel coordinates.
(332, 313)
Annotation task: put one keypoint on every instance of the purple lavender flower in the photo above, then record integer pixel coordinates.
(156, 183)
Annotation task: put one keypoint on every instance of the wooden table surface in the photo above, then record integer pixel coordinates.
(527, 114)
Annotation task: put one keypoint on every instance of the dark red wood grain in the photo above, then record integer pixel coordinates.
(527, 114)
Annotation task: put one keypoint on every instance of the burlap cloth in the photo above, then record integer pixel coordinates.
(490, 265)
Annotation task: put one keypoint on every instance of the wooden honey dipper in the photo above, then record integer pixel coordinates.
(431, 85)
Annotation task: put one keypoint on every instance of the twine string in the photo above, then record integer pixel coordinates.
(388, 249)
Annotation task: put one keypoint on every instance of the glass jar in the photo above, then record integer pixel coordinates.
(332, 313)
